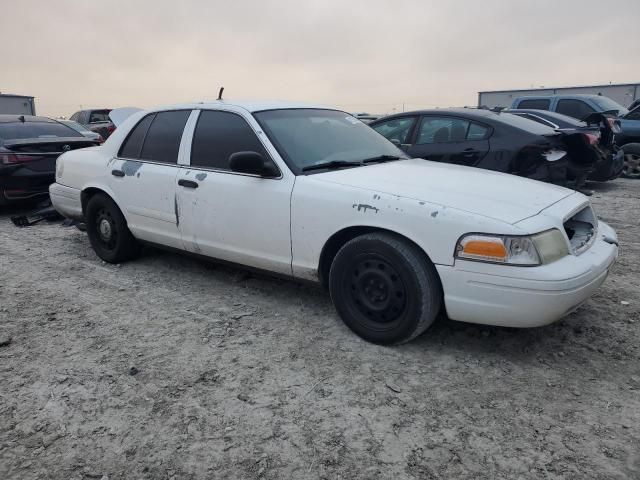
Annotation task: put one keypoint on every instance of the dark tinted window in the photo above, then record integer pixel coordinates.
(574, 108)
(442, 130)
(133, 144)
(633, 114)
(75, 116)
(396, 129)
(218, 135)
(534, 104)
(21, 130)
(163, 138)
(99, 116)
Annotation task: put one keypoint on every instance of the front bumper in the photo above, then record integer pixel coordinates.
(66, 200)
(527, 296)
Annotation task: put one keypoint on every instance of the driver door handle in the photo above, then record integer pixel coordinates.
(187, 183)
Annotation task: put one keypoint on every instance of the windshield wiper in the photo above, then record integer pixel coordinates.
(331, 164)
(380, 159)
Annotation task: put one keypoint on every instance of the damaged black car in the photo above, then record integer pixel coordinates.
(497, 141)
(29, 147)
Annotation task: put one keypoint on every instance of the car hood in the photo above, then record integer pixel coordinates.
(500, 196)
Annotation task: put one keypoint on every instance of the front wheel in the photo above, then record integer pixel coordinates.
(108, 232)
(385, 288)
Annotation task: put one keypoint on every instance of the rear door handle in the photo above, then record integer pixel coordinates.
(117, 173)
(187, 183)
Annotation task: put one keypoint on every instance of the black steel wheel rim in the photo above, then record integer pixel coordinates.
(105, 227)
(376, 290)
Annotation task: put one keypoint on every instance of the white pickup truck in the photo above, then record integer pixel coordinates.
(313, 193)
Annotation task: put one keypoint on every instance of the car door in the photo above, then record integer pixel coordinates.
(398, 130)
(450, 140)
(236, 217)
(144, 176)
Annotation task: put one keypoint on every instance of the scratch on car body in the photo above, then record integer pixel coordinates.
(364, 207)
(201, 176)
(434, 214)
(177, 210)
(130, 168)
(376, 196)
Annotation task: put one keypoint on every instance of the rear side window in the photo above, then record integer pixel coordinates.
(574, 108)
(220, 134)
(163, 137)
(99, 116)
(442, 130)
(396, 129)
(477, 132)
(133, 144)
(23, 130)
(534, 104)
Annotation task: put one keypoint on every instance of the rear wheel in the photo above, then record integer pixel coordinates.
(108, 232)
(384, 288)
(631, 167)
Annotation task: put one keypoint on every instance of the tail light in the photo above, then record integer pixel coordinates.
(592, 138)
(15, 159)
(614, 124)
(111, 129)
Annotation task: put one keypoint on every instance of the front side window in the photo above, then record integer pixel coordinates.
(306, 137)
(574, 108)
(220, 134)
(633, 114)
(442, 130)
(535, 104)
(396, 129)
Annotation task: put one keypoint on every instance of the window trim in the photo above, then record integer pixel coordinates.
(191, 135)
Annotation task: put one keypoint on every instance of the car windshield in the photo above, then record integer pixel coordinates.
(606, 104)
(307, 137)
(22, 130)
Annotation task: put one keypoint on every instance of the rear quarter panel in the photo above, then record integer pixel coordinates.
(320, 209)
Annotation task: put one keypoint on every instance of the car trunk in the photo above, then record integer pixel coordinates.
(28, 165)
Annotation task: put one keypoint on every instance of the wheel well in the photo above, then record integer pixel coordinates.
(86, 195)
(338, 239)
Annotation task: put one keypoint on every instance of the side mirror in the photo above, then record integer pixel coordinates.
(252, 163)
(396, 142)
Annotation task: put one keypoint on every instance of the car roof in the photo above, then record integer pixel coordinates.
(6, 118)
(467, 112)
(248, 105)
(559, 95)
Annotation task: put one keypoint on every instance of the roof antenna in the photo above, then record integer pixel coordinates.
(220, 93)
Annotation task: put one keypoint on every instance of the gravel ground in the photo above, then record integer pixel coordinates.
(168, 367)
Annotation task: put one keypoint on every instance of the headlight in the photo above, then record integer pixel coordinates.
(542, 248)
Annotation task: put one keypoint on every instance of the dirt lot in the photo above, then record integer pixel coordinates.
(244, 376)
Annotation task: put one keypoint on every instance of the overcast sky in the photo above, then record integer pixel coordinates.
(360, 55)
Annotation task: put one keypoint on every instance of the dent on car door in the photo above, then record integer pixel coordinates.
(143, 176)
(450, 140)
(224, 214)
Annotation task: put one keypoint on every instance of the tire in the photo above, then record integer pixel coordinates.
(108, 232)
(631, 167)
(384, 288)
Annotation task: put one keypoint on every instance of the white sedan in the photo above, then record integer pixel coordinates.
(313, 193)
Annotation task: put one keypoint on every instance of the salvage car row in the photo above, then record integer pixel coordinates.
(313, 193)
